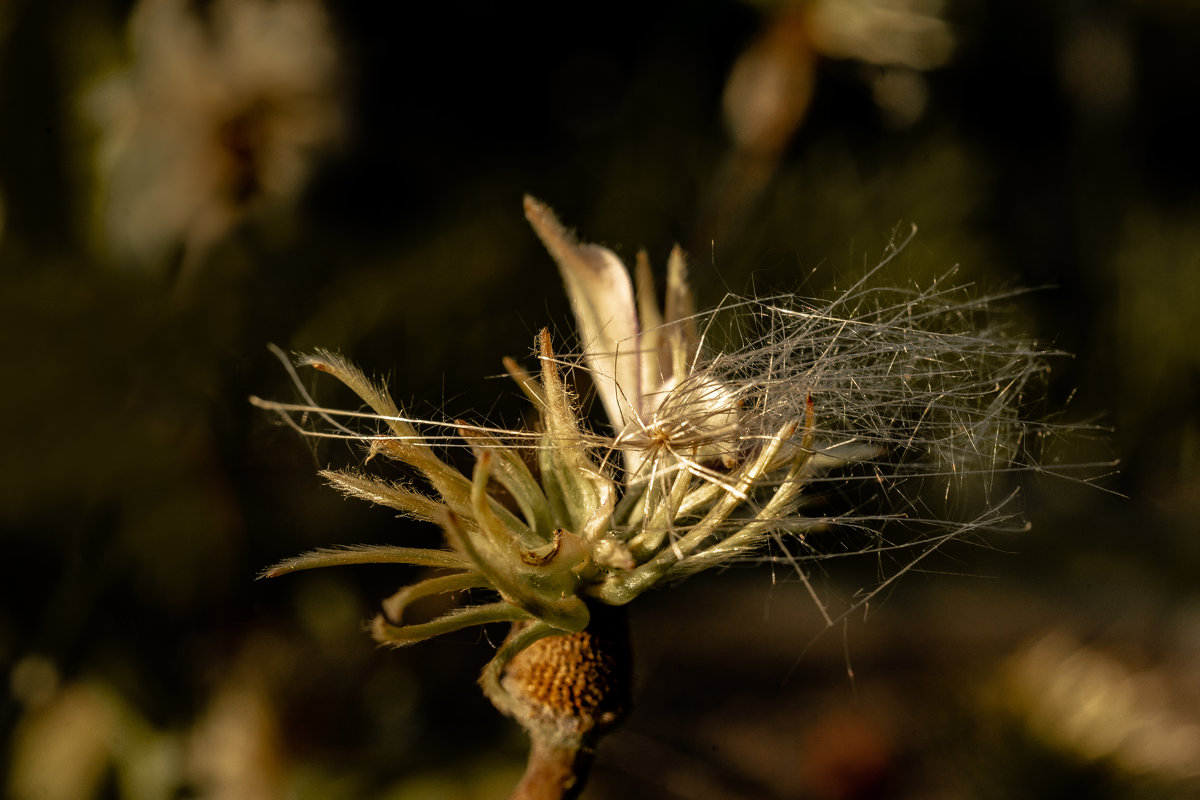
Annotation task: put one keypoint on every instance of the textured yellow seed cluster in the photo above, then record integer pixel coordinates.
(576, 684)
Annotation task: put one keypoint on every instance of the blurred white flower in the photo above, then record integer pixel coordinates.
(905, 33)
(771, 84)
(219, 116)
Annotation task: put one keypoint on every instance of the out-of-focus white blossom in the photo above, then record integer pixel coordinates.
(220, 115)
(771, 84)
(900, 33)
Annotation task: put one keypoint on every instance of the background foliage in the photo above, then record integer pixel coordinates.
(140, 493)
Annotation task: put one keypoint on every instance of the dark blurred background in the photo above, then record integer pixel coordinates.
(182, 183)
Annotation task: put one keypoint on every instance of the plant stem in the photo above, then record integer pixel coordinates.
(552, 772)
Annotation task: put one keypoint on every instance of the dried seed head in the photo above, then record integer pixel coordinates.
(714, 456)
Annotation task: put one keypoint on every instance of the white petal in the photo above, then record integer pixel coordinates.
(602, 298)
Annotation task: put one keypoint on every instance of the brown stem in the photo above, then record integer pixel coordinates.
(552, 772)
(567, 692)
